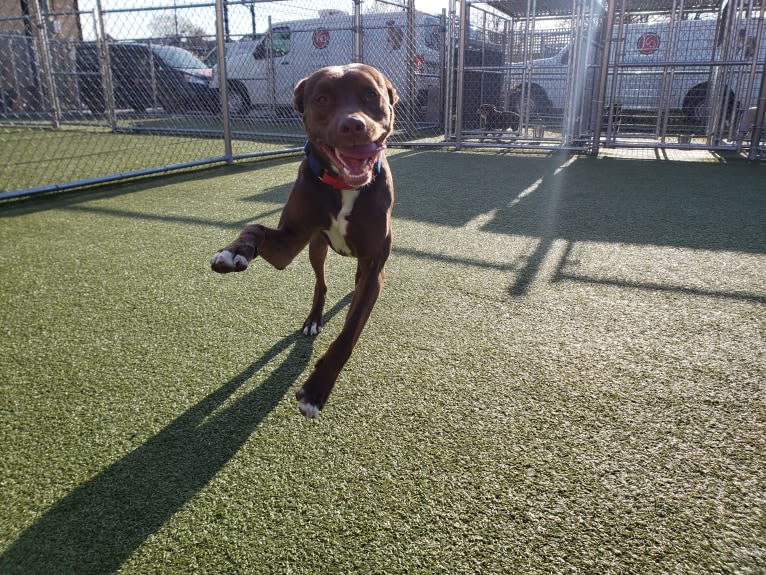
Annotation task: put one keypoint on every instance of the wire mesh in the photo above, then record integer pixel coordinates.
(527, 77)
(685, 73)
(674, 73)
(109, 88)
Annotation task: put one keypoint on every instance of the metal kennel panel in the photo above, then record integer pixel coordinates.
(532, 64)
(582, 74)
(681, 75)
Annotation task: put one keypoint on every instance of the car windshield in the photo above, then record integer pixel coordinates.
(178, 58)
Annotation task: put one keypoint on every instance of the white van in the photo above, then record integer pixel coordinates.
(657, 66)
(263, 72)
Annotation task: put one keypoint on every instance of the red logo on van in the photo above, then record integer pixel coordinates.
(648, 43)
(320, 38)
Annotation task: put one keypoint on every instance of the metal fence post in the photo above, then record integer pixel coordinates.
(106, 68)
(44, 55)
(461, 73)
(449, 71)
(358, 48)
(411, 55)
(444, 69)
(223, 89)
(598, 101)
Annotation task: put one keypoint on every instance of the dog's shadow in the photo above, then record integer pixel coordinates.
(96, 527)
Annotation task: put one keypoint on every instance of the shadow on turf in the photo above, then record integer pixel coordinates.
(704, 206)
(101, 523)
(708, 206)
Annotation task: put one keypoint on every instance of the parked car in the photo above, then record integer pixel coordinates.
(145, 76)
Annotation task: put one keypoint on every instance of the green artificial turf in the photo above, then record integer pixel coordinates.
(45, 157)
(565, 373)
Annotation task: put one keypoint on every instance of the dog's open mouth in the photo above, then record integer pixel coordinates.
(355, 164)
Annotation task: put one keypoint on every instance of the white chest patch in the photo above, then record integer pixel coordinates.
(336, 233)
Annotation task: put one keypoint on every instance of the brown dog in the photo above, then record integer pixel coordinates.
(342, 198)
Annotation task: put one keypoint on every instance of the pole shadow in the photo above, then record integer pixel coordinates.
(97, 526)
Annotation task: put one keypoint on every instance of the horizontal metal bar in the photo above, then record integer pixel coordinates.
(140, 173)
(157, 8)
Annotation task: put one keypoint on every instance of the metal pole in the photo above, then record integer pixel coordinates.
(358, 54)
(449, 70)
(443, 62)
(668, 72)
(411, 89)
(41, 37)
(606, 42)
(223, 85)
(526, 74)
(461, 73)
(252, 16)
(105, 62)
(755, 139)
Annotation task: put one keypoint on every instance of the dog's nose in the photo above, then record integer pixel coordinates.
(352, 125)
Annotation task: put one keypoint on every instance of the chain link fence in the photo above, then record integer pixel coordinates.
(108, 89)
(629, 73)
(97, 90)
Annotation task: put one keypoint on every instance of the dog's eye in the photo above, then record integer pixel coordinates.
(371, 95)
(322, 100)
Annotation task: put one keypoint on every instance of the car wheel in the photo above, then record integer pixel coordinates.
(239, 102)
(694, 106)
(93, 97)
(538, 105)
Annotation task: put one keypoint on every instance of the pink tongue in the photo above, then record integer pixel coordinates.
(360, 152)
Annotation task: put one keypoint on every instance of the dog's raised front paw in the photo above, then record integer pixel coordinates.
(225, 261)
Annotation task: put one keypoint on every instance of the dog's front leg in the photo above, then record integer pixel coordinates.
(278, 247)
(314, 393)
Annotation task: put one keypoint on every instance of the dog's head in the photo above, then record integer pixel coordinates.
(485, 110)
(348, 114)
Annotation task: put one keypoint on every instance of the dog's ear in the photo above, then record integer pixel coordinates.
(393, 97)
(298, 95)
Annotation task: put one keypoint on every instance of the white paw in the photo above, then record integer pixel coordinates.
(226, 261)
(309, 410)
(312, 329)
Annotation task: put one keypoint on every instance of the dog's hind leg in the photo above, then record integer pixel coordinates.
(317, 256)
(314, 393)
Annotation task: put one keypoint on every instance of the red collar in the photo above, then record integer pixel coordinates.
(337, 183)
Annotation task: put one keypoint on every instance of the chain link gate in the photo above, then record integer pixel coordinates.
(581, 74)
(100, 90)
